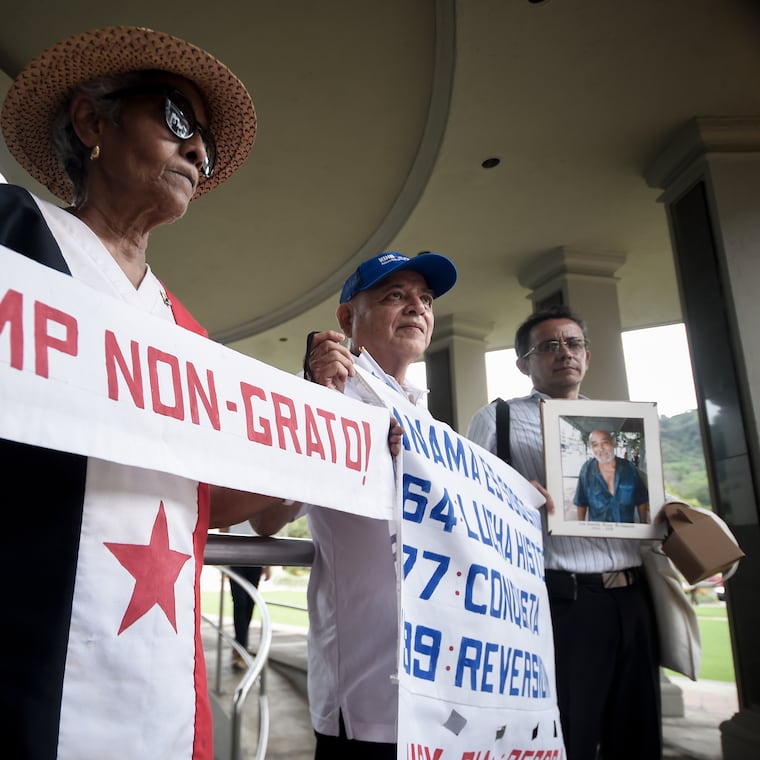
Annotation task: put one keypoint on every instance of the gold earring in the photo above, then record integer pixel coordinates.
(95, 153)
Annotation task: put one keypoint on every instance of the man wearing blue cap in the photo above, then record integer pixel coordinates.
(386, 312)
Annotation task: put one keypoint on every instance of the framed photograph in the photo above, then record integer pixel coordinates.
(603, 468)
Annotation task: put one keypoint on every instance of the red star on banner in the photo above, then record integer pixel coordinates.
(155, 568)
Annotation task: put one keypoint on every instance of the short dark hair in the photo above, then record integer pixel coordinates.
(522, 336)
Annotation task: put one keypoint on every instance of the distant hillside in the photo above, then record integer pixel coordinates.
(682, 458)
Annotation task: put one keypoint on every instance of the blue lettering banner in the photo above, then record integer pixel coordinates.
(476, 653)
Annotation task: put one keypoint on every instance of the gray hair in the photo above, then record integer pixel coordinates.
(67, 146)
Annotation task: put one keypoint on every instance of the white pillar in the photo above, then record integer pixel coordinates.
(456, 369)
(585, 281)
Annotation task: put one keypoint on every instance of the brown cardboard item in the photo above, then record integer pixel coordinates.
(698, 543)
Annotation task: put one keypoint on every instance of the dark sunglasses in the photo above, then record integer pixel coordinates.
(179, 117)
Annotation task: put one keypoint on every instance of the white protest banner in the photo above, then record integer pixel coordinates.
(85, 373)
(476, 673)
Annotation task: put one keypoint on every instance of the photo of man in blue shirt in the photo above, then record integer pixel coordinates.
(610, 488)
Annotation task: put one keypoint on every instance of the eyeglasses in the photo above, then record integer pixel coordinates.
(574, 346)
(179, 117)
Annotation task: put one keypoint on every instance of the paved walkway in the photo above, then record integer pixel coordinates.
(290, 733)
(693, 737)
(696, 736)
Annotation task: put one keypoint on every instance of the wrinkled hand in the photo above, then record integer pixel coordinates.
(395, 437)
(329, 362)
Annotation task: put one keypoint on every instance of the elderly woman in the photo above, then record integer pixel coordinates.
(100, 652)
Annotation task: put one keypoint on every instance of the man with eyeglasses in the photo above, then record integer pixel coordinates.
(605, 641)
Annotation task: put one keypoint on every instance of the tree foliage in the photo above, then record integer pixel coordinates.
(683, 460)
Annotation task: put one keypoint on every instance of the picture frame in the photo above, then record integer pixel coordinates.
(606, 454)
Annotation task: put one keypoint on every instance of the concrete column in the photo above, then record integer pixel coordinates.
(456, 370)
(585, 281)
(710, 174)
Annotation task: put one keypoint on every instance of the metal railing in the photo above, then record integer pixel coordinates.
(254, 668)
(234, 549)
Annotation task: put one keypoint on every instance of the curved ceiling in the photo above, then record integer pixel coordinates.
(375, 119)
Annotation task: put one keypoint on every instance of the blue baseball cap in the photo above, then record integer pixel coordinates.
(438, 271)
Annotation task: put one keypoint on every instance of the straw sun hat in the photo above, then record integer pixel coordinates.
(44, 83)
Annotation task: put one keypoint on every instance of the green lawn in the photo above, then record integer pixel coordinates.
(279, 615)
(717, 661)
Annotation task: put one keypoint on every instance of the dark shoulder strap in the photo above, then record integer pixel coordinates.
(502, 430)
(23, 229)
